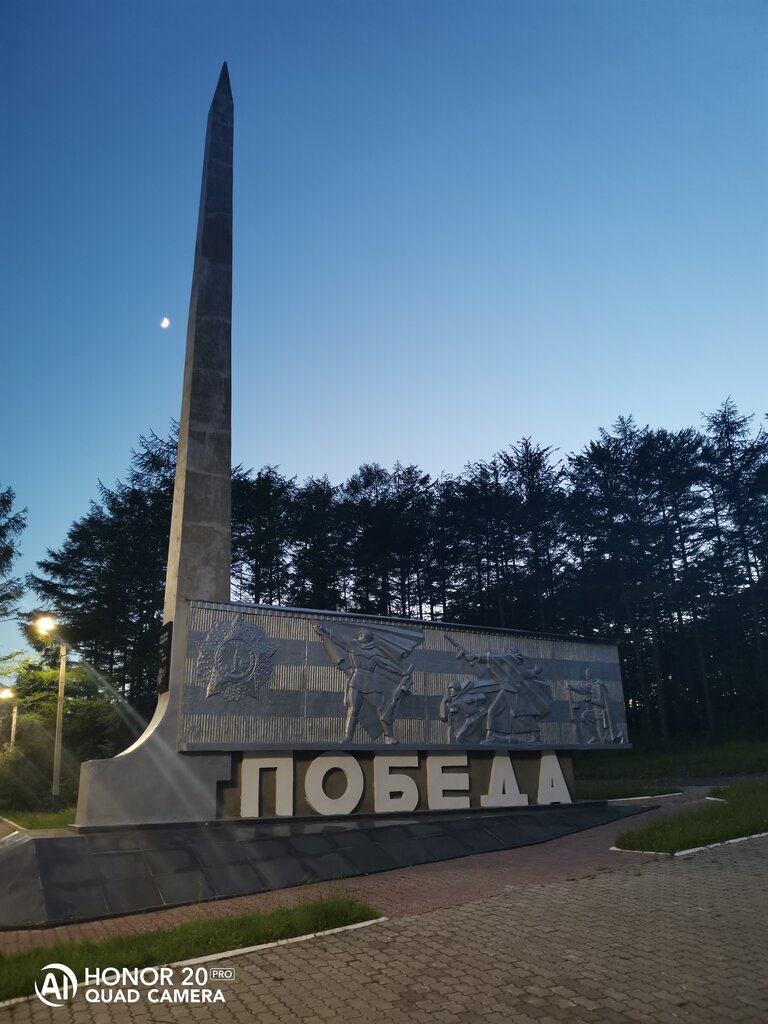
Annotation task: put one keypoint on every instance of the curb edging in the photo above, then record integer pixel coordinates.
(693, 849)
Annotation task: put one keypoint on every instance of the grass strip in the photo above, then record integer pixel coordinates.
(598, 789)
(19, 971)
(41, 819)
(690, 761)
(744, 813)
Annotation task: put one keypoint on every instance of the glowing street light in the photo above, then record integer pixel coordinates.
(7, 694)
(46, 625)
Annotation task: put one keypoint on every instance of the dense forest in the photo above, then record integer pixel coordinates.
(654, 538)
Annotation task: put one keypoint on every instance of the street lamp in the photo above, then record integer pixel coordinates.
(8, 694)
(46, 625)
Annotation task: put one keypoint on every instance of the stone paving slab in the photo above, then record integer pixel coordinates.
(123, 871)
(403, 891)
(668, 941)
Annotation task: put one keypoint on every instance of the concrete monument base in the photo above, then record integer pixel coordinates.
(150, 783)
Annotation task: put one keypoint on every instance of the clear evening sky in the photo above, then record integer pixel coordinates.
(456, 224)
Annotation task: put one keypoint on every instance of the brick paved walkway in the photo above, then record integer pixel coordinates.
(515, 937)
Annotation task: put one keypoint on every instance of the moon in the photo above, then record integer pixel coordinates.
(165, 323)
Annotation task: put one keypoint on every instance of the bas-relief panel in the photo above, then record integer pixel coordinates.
(262, 678)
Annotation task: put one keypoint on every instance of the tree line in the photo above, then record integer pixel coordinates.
(651, 537)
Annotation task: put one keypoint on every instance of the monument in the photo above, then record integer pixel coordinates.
(149, 782)
(294, 745)
(256, 700)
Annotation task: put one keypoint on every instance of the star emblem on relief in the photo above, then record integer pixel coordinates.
(236, 660)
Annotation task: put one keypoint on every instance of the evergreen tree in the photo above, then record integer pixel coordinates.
(371, 537)
(106, 581)
(535, 483)
(319, 552)
(261, 512)
(484, 518)
(736, 469)
(617, 540)
(11, 526)
(412, 503)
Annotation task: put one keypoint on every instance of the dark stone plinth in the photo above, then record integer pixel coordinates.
(47, 880)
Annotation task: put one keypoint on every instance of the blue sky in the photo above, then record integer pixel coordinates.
(456, 224)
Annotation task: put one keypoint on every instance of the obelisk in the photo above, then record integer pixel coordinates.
(151, 781)
(200, 549)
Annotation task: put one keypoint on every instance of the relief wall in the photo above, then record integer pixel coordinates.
(263, 678)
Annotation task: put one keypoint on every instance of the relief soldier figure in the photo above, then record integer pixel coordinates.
(594, 724)
(373, 659)
(522, 700)
(465, 709)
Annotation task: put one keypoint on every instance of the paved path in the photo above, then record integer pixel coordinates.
(566, 931)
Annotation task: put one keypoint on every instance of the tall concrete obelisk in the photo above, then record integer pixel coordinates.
(199, 554)
(152, 781)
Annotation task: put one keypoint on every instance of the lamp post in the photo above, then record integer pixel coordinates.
(46, 625)
(7, 694)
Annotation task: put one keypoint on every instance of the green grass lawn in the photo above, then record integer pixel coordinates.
(688, 761)
(606, 789)
(744, 813)
(41, 819)
(19, 971)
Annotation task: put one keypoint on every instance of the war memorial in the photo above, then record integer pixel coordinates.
(294, 745)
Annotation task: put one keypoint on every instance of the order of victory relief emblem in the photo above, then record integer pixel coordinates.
(235, 659)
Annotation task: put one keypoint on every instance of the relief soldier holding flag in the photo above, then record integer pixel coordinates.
(373, 659)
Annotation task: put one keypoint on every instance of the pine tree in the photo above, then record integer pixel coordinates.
(11, 526)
